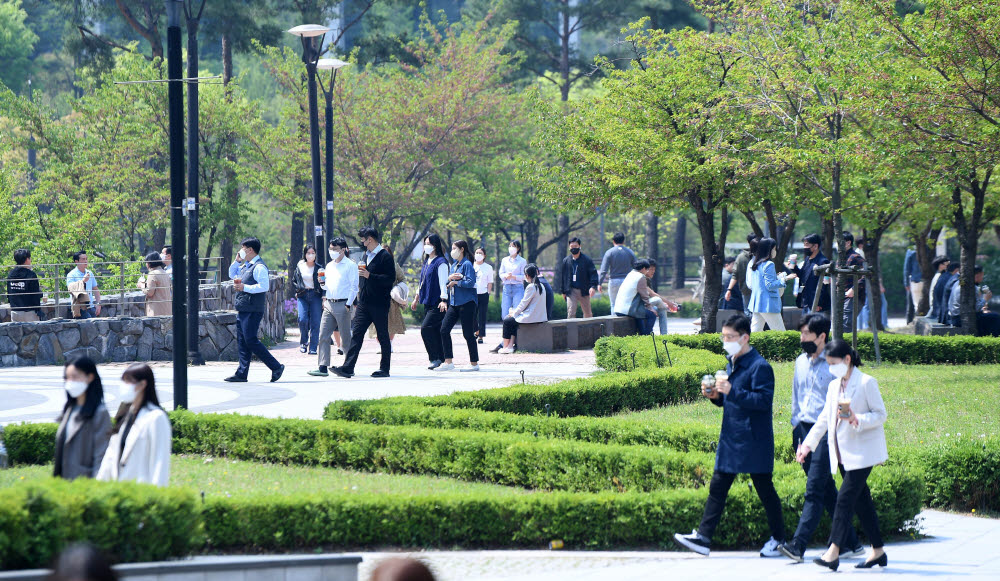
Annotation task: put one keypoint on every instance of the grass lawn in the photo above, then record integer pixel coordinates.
(234, 477)
(925, 403)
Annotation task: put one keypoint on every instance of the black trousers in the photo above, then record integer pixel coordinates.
(430, 332)
(467, 314)
(249, 345)
(718, 490)
(821, 492)
(510, 325)
(855, 498)
(364, 317)
(484, 305)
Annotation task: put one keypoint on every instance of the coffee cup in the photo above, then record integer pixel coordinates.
(721, 375)
(844, 408)
(707, 384)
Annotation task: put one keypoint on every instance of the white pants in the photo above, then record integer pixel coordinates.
(773, 320)
(916, 289)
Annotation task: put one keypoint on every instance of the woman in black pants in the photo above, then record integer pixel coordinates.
(461, 307)
(484, 286)
(853, 421)
(433, 295)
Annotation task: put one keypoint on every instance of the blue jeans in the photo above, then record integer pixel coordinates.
(90, 313)
(512, 295)
(310, 315)
(865, 316)
(821, 493)
(249, 345)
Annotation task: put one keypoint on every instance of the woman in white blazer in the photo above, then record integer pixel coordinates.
(853, 420)
(531, 309)
(139, 449)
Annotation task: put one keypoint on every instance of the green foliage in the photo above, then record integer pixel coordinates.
(964, 474)
(131, 522)
(17, 42)
(30, 443)
(615, 354)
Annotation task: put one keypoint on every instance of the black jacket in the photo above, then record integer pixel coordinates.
(298, 284)
(809, 281)
(373, 292)
(23, 291)
(586, 273)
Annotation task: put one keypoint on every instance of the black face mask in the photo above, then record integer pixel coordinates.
(574, 251)
(808, 347)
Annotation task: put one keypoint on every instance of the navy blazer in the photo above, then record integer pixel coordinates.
(746, 441)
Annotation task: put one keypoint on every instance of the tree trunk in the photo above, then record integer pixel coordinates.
(530, 242)
(926, 245)
(562, 249)
(159, 238)
(837, 308)
(653, 244)
(874, 290)
(827, 236)
(297, 241)
(564, 40)
(680, 260)
(713, 260)
(967, 230)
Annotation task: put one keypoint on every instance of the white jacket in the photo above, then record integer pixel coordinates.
(146, 457)
(860, 446)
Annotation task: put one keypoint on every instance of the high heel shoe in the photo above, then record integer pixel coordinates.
(882, 561)
(831, 565)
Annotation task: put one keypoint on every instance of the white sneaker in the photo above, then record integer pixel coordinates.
(770, 549)
(505, 351)
(470, 368)
(445, 367)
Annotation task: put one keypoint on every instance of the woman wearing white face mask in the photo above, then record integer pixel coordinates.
(432, 293)
(853, 420)
(461, 306)
(484, 287)
(512, 279)
(306, 284)
(139, 449)
(84, 426)
(765, 288)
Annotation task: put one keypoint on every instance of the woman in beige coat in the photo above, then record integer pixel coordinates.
(84, 426)
(531, 309)
(139, 449)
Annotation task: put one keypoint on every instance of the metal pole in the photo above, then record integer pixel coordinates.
(194, 352)
(308, 57)
(854, 313)
(878, 354)
(175, 93)
(320, 251)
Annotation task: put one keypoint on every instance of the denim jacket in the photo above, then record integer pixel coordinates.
(465, 291)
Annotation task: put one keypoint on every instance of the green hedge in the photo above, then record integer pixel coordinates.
(132, 522)
(964, 474)
(615, 354)
(30, 443)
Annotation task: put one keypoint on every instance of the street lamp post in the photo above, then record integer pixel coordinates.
(331, 65)
(175, 107)
(310, 34)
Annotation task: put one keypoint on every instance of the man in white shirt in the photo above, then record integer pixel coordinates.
(82, 274)
(340, 281)
(484, 286)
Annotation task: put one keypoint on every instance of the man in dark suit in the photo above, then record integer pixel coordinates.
(579, 280)
(377, 275)
(809, 280)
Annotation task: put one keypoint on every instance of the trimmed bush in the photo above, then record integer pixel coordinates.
(615, 354)
(30, 443)
(964, 474)
(132, 522)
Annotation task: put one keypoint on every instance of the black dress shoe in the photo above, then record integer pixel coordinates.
(435, 364)
(340, 351)
(236, 379)
(882, 561)
(831, 565)
(380, 373)
(339, 371)
(276, 374)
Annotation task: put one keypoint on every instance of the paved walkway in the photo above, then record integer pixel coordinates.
(956, 547)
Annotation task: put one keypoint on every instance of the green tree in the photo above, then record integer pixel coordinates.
(17, 43)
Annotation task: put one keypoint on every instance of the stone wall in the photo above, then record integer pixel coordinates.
(124, 339)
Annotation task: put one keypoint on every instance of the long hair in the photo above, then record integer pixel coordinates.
(438, 244)
(763, 254)
(136, 373)
(464, 247)
(95, 390)
(532, 271)
(840, 349)
(306, 250)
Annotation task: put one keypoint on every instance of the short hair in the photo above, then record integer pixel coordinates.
(77, 255)
(21, 255)
(575, 239)
(812, 239)
(739, 323)
(516, 244)
(954, 266)
(618, 238)
(641, 264)
(816, 324)
(306, 249)
(251, 243)
(402, 569)
(652, 262)
(729, 260)
(339, 241)
(939, 260)
(839, 348)
(480, 249)
(847, 237)
(977, 269)
(752, 237)
(154, 260)
(369, 232)
(83, 561)
(170, 250)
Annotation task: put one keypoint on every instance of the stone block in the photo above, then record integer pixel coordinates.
(103, 327)
(69, 338)
(48, 327)
(28, 346)
(14, 361)
(7, 345)
(162, 355)
(227, 318)
(115, 325)
(144, 352)
(84, 352)
(230, 352)
(15, 331)
(89, 330)
(208, 349)
(48, 350)
(132, 326)
(146, 339)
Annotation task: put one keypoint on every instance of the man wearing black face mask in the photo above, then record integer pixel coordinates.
(809, 387)
(579, 280)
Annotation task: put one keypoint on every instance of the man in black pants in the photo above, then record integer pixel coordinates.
(746, 443)
(378, 275)
(251, 281)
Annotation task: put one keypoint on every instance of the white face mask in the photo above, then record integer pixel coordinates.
(512, 251)
(243, 254)
(311, 256)
(76, 388)
(839, 370)
(126, 392)
(456, 253)
(731, 347)
(428, 249)
(480, 258)
(334, 255)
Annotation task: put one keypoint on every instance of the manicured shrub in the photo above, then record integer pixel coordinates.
(131, 522)
(615, 354)
(30, 443)
(964, 474)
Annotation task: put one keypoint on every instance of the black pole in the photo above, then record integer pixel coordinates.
(175, 94)
(309, 58)
(194, 353)
(329, 166)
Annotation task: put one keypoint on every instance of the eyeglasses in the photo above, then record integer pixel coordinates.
(731, 336)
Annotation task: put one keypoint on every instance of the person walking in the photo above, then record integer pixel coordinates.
(579, 280)
(399, 295)
(81, 274)
(461, 306)
(157, 288)
(82, 435)
(940, 266)
(140, 443)
(746, 441)
(531, 309)
(340, 286)
(433, 295)
(633, 299)
(484, 287)
(251, 281)
(913, 283)
(378, 274)
(615, 266)
(765, 288)
(731, 300)
(811, 281)
(739, 279)
(305, 284)
(854, 260)
(512, 279)
(951, 284)
(810, 382)
(852, 420)
(23, 290)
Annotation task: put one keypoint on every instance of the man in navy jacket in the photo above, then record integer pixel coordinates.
(746, 442)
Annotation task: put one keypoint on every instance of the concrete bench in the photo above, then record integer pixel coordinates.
(566, 334)
(925, 326)
(790, 315)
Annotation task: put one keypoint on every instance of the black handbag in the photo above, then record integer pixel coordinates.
(637, 310)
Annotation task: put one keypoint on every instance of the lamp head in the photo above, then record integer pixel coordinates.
(330, 64)
(174, 9)
(308, 30)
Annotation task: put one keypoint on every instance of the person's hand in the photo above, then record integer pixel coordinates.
(86, 278)
(790, 275)
(729, 294)
(593, 291)
(801, 453)
(455, 276)
(363, 272)
(413, 305)
(600, 288)
(238, 286)
(712, 394)
(849, 293)
(723, 386)
(97, 309)
(566, 298)
(443, 306)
